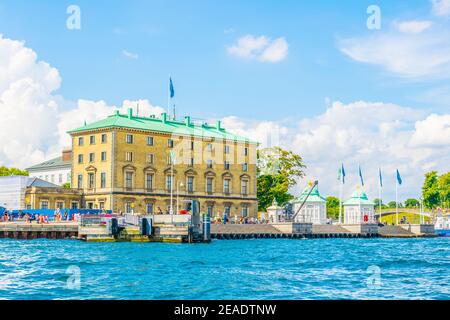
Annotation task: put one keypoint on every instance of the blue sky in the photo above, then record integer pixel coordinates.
(188, 39)
(309, 73)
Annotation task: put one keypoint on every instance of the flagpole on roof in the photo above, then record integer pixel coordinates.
(168, 98)
(380, 194)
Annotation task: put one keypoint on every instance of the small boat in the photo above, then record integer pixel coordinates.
(442, 225)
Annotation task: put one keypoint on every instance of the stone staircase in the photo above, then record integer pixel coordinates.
(243, 229)
(329, 229)
(394, 231)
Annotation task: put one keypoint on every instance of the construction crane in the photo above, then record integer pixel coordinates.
(304, 200)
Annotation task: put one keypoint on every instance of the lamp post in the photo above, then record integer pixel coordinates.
(181, 185)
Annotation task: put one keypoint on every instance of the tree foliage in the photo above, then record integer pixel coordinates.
(412, 203)
(333, 207)
(278, 170)
(444, 189)
(430, 190)
(4, 171)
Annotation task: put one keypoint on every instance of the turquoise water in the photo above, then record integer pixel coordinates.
(236, 269)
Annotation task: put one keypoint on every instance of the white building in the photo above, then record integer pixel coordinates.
(55, 171)
(358, 209)
(314, 209)
(275, 212)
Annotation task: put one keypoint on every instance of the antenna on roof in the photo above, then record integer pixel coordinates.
(174, 114)
(137, 109)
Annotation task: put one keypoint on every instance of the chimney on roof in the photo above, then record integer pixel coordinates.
(219, 125)
(164, 117)
(67, 155)
(130, 113)
(187, 121)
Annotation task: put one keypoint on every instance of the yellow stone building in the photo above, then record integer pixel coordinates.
(128, 163)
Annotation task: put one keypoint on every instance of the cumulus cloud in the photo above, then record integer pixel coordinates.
(33, 119)
(413, 26)
(416, 56)
(371, 134)
(260, 48)
(441, 7)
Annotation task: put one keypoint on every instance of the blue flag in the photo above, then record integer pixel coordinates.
(360, 175)
(399, 179)
(343, 173)
(381, 178)
(172, 91)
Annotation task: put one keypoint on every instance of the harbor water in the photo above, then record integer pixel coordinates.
(235, 269)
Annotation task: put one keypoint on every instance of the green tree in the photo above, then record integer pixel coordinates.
(430, 190)
(333, 207)
(412, 203)
(377, 202)
(444, 189)
(391, 204)
(4, 171)
(278, 170)
(66, 185)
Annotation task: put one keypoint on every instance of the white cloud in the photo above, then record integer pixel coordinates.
(260, 48)
(412, 56)
(33, 120)
(441, 7)
(371, 134)
(413, 26)
(130, 55)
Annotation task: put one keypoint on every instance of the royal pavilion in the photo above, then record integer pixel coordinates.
(315, 208)
(358, 209)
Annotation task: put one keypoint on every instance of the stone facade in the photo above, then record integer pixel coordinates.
(51, 198)
(129, 170)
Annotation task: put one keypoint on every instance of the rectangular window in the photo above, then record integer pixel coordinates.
(246, 151)
(74, 205)
(192, 145)
(60, 205)
(129, 180)
(80, 181)
(90, 205)
(91, 139)
(129, 139)
(226, 186)
(128, 207)
(101, 205)
(227, 210)
(210, 210)
(103, 180)
(244, 186)
(44, 205)
(149, 181)
(209, 147)
(170, 143)
(245, 167)
(227, 150)
(150, 158)
(103, 155)
(244, 211)
(190, 184)
(227, 165)
(150, 208)
(150, 141)
(60, 178)
(80, 158)
(209, 164)
(104, 138)
(168, 182)
(91, 180)
(209, 185)
(80, 141)
(91, 157)
(129, 156)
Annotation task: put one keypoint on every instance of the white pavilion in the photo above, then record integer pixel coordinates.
(358, 209)
(315, 208)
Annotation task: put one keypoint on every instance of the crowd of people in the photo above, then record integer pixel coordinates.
(58, 216)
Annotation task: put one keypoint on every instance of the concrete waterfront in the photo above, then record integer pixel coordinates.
(181, 231)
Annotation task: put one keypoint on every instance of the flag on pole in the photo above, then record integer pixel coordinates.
(381, 177)
(361, 176)
(341, 174)
(172, 157)
(399, 178)
(172, 91)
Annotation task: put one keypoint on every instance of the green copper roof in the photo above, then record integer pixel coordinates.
(313, 197)
(162, 124)
(358, 197)
(51, 164)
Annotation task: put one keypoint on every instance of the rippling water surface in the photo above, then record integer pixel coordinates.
(237, 269)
